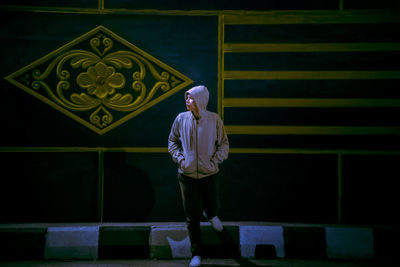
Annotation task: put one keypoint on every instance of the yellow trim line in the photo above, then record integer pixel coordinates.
(309, 47)
(309, 75)
(311, 130)
(309, 102)
(238, 150)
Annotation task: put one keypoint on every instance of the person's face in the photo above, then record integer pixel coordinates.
(191, 103)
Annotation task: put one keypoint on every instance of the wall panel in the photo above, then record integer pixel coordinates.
(141, 187)
(369, 190)
(280, 188)
(260, 53)
(170, 39)
(49, 187)
(308, 91)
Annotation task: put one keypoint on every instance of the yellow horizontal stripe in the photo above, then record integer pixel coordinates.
(309, 75)
(309, 47)
(309, 102)
(311, 130)
(314, 17)
(234, 16)
(310, 151)
(86, 149)
(242, 150)
(120, 11)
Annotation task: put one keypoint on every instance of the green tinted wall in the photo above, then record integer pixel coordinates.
(308, 93)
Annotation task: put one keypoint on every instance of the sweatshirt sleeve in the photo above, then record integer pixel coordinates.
(174, 143)
(222, 144)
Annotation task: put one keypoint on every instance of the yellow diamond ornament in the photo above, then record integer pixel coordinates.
(100, 80)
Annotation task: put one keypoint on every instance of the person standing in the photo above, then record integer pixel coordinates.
(198, 144)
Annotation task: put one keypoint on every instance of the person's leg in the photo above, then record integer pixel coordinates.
(192, 206)
(210, 194)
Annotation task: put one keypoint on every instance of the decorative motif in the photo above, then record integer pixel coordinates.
(100, 80)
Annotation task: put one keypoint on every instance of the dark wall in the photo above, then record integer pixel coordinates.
(170, 39)
(317, 148)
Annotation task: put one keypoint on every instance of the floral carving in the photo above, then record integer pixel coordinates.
(101, 86)
(101, 80)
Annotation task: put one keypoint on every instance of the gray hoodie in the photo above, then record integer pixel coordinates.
(198, 146)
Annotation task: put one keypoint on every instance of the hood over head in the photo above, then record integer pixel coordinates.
(200, 94)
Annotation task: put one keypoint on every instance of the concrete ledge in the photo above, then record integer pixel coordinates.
(124, 242)
(173, 242)
(262, 242)
(169, 242)
(221, 245)
(305, 242)
(22, 243)
(349, 243)
(72, 243)
(386, 243)
(243, 240)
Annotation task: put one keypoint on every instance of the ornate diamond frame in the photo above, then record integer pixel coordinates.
(101, 87)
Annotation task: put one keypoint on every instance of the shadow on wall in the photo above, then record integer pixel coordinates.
(128, 192)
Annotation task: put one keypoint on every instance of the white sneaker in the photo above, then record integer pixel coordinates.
(195, 262)
(216, 224)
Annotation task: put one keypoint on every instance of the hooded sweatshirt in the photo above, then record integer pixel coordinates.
(198, 146)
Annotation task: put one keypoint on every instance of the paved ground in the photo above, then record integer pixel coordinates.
(205, 263)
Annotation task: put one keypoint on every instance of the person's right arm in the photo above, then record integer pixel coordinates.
(174, 143)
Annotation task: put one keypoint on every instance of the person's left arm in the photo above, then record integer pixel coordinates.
(221, 144)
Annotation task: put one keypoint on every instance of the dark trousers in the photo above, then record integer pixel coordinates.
(198, 195)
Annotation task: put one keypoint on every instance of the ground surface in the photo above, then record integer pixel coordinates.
(205, 263)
